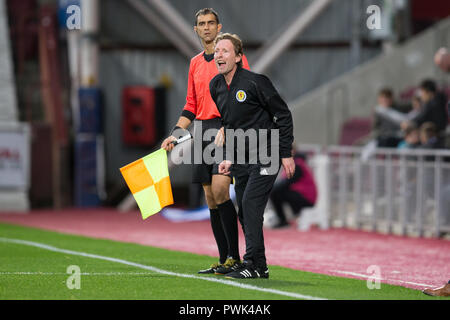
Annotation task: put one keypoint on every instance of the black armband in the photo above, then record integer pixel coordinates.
(188, 114)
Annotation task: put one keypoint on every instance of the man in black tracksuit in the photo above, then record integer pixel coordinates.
(249, 101)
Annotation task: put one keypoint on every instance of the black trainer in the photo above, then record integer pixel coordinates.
(212, 269)
(248, 272)
(263, 273)
(230, 265)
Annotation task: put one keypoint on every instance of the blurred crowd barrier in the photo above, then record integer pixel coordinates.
(392, 191)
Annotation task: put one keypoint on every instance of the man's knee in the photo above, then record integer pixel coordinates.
(220, 189)
(220, 194)
(210, 201)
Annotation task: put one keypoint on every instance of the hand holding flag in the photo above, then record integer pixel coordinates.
(170, 142)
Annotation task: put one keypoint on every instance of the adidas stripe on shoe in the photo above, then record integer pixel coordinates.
(248, 273)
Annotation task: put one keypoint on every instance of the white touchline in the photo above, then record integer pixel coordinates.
(37, 273)
(161, 271)
(381, 279)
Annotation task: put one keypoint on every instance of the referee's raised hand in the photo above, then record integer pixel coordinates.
(289, 166)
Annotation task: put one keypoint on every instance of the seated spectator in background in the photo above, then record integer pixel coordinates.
(299, 192)
(387, 120)
(429, 136)
(433, 109)
(411, 138)
(442, 59)
(416, 105)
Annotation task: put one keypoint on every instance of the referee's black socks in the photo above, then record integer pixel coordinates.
(219, 234)
(228, 216)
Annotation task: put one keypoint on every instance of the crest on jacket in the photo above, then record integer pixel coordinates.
(241, 96)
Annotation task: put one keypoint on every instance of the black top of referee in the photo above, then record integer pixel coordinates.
(252, 102)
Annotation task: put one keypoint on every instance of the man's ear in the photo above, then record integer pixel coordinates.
(219, 27)
(195, 29)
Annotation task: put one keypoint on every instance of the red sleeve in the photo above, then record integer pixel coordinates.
(191, 99)
(245, 62)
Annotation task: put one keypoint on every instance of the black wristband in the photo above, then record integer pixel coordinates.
(188, 114)
(175, 128)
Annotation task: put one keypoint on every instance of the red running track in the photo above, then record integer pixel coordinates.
(409, 262)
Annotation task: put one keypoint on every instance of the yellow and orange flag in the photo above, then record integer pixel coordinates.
(149, 182)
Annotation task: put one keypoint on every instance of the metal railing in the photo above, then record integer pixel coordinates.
(403, 192)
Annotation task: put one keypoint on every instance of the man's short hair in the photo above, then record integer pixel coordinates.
(386, 92)
(206, 11)
(410, 128)
(428, 85)
(235, 40)
(429, 130)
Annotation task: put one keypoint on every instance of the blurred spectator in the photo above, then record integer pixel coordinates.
(411, 137)
(387, 120)
(299, 192)
(433, 109)
(429, 136)
(416, 105)
(442, 59)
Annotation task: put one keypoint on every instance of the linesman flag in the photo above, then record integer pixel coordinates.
(149, 182)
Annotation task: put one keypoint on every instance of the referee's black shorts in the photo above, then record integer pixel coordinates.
(203, 172)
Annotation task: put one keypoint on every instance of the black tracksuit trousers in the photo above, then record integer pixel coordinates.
(252, 193)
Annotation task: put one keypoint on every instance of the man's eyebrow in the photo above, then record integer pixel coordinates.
(209, 21)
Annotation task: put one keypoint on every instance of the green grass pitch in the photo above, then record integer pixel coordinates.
(31, 272)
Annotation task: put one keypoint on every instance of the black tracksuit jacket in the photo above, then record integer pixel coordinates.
(252, 102)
